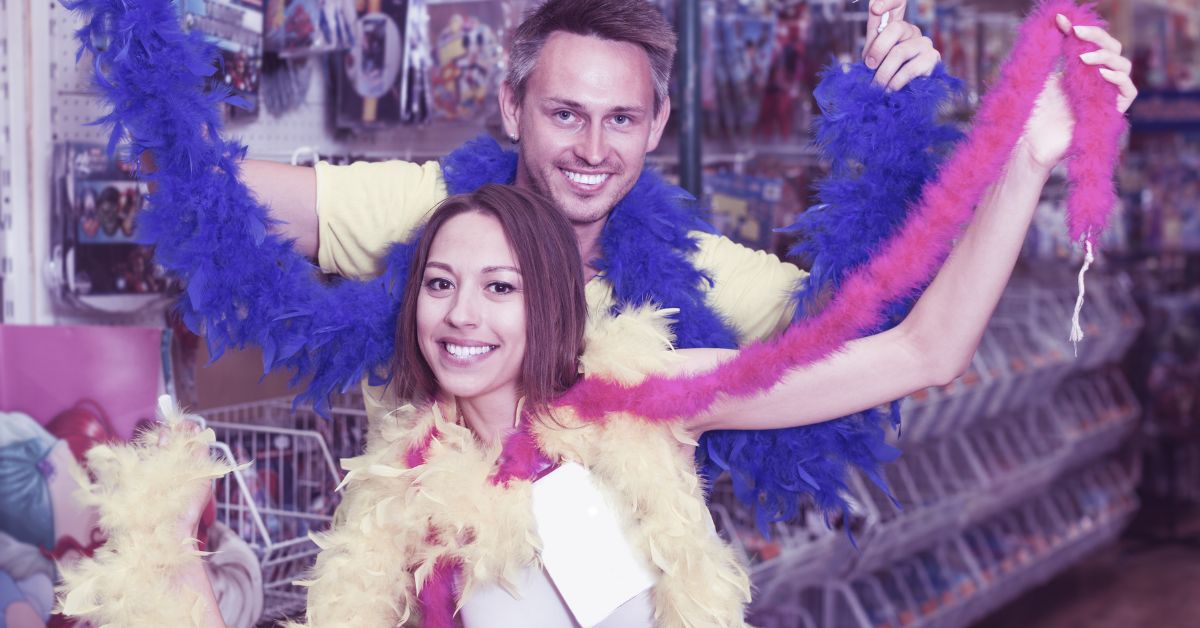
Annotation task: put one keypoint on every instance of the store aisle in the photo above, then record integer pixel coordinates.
(1125, 585)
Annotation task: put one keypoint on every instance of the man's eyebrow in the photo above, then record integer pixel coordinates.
(572, 104)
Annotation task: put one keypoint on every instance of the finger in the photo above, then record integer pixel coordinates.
(1108, 58)
(1098, 36)
(1125, 89)
(895, 11)
(1063, 23)
(888, 39)
(900, 54)
(921, 65)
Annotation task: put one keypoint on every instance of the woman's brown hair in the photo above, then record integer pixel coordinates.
(552, 275)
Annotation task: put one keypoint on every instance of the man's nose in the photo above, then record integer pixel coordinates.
(593, 146)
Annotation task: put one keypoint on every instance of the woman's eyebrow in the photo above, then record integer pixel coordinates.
(492, 269)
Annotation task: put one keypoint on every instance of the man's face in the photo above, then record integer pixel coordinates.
(585, 124)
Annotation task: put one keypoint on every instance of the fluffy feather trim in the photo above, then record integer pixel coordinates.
(642, 465)
(627, 347)
(399, 526)
(141, 490)
(397, 523)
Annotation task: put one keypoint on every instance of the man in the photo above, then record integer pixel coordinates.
(585, 100)
(622, 77)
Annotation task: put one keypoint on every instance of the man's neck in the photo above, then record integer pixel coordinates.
(588, 236)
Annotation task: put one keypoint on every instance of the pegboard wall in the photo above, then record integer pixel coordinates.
(50, 101)
(14, 245)
(267, 136)
(5, 175)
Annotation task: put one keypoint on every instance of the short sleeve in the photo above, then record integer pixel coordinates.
(364, 207)
(752, 290)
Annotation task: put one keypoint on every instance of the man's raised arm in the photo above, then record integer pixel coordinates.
(290, 195)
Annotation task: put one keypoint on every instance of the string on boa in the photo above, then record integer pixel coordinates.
(910, 258)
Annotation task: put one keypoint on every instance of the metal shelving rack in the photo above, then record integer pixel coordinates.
(1008, 476)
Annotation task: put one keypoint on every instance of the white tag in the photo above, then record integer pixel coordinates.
(584, 548)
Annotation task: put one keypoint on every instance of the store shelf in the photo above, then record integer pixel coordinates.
(954, 580)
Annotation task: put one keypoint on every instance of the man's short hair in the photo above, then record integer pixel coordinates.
(633, 21)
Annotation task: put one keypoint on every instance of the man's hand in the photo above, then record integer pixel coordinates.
(1048, 132)
(898, 52)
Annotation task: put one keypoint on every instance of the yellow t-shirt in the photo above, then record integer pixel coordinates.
(365, 207)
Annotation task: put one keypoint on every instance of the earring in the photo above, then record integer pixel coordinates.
(513, 139)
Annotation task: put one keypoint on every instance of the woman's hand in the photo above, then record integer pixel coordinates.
(899, 52)
(188, 523)
(1048, 132)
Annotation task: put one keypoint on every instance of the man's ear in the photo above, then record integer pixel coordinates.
(659, 124)
(510, 111)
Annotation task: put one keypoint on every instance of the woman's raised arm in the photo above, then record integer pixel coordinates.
(935, 343)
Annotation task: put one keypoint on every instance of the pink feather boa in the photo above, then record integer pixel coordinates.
(913, 255)
(906, 261)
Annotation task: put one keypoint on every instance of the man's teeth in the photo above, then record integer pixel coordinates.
(586, 179)
(465, 352)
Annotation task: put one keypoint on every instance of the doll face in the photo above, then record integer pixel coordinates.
(471, 309)
(72, 518)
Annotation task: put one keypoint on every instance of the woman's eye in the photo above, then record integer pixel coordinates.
(437, 283)
(499, 287)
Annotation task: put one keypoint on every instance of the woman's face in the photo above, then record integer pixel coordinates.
(471, 309)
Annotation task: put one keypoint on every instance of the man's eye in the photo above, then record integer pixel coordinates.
(564, 116)
(621, 119)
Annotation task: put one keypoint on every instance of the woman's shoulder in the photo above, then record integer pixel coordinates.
(391, 435)
(628, 346)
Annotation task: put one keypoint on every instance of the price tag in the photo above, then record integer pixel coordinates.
(584, 546)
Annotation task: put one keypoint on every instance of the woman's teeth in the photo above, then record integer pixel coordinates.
(466, 352)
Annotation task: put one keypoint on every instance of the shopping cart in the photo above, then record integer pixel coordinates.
(286, 491)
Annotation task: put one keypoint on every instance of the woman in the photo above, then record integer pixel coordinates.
(490, 336)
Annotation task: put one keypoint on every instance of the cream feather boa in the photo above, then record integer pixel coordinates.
(140, 491)
(395, 521)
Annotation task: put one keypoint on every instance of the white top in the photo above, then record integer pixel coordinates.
(540, 606)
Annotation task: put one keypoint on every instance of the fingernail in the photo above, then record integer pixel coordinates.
(1078, 30)
(871, 62)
